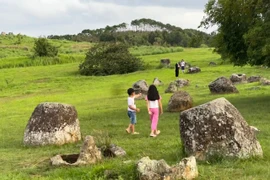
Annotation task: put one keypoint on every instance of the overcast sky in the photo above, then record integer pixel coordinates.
(58, 17)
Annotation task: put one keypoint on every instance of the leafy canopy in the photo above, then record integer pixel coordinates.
(109, 58)
(243, 33)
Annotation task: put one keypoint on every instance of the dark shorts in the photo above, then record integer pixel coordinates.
(183, 67)
(132, 117)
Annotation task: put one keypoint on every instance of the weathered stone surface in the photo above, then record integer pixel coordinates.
(58, 160)
(181, 82)
(52, 123)
(180, 101)
(89, 154)
(117, 151)
(192, 70)
(252, 79)
(238, 78)
(222, 85)
(157, 82)
(174, 86)
(265, 82)
(141, 87)
(165, 62)
(159, 170)
(185, 169)
(217, 128)
(152, 169)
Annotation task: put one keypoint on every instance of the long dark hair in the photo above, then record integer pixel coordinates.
(153, 94)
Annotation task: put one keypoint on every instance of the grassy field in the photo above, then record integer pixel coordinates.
(101, 105)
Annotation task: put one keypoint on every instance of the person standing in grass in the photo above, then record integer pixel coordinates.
(177, 69)
(183, 64)
(154, 107)
(132, 109)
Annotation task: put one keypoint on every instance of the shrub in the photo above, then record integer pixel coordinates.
(43, 48)
(109, 58)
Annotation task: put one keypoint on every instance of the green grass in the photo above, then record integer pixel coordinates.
(101, 105)
(13, 54)
(152, 50)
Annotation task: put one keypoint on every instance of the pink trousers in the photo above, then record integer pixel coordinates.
(154, 118)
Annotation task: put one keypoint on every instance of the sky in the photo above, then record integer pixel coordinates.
(58, 17)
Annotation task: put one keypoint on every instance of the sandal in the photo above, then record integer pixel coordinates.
(127, 130)
(153, 135)
(135, 133)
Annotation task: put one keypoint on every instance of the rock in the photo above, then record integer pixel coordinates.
(238, 78)
(179, 101)
(165, 62)
(58, 160)
(185, 169)
(192, 70)
(172, 88)
(254, 129)
(222, 85)
(218, 129)
(157, 82)
(89, 154)
(181, 82)
(265, 82)
(141, 87)
(52, 123)
(117, 151)
(152, 169)
(252, 79)
(212, 63)
(159, 170)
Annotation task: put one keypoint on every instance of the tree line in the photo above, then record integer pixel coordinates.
(142, 32)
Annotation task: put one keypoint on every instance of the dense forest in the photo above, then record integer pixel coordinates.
(142, 32)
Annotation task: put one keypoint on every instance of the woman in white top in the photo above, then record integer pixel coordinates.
(154, 107)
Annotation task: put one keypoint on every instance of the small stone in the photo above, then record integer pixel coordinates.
(252, 79)
(192, 70)
(238, 78)
(157, 82)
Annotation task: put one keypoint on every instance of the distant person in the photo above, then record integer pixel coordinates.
(177, 69)
(132, 109)
(183, 64)
(154, 107)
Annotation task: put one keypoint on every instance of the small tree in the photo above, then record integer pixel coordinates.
(109, 58)
(43, 48)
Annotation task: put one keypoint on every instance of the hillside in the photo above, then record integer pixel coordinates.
(101, 105)
(142, 32)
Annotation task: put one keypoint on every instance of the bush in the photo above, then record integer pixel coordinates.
(109, 58)
(43, 48)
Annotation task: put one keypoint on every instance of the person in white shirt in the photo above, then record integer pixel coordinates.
(154, 107)
(132, 109)
(183, 64)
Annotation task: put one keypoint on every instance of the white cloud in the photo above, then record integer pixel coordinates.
(45, 17)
